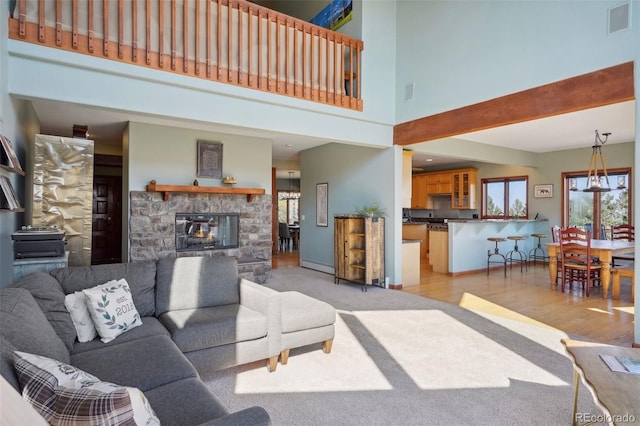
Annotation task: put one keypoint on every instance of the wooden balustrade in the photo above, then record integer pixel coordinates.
(229, 41)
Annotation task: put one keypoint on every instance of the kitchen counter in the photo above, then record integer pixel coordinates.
(468, 242)
(417, 232)
(410, 262)
(492, 220)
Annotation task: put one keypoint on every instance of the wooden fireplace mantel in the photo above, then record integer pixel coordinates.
(168, 189)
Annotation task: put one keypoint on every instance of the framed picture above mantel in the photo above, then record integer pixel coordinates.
(209, 159)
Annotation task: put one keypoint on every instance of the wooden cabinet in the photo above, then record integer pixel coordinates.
(406, 179)
(439, 250)
(439, 183)
(419, 192)
(465, 187)
(359, 249)
(417, 232)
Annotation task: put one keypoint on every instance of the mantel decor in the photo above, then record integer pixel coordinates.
(209, 159)
(168, 189)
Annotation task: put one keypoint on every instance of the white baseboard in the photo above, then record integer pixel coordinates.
(317, 266)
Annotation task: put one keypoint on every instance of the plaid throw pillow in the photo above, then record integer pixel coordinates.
(65, 395)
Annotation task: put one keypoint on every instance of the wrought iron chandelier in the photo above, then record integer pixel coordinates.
(595, 181)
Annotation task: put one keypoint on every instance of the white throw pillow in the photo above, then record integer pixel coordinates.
(112, 310)
(64, 395)
(76, 304)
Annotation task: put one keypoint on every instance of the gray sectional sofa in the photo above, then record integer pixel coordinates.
(197, 315)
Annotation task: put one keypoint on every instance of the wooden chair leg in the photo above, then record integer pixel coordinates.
(272, 363)
(326, 346)
(284, 356)
(615, 284)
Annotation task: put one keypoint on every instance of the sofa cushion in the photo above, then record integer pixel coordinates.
(302, 312)
(25, 326)
(76, 304)
(151, 326)
(185, 402)
(195, 329)
(196, 282)
(144, 363)
(112, 309)
(6, 363)
(64, 394)
(141, 277)
(49, 295)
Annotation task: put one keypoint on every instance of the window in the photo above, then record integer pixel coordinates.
(505, 198)
(596, 211)
(289, 206)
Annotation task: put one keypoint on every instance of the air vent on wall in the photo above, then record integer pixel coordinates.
(619, 18)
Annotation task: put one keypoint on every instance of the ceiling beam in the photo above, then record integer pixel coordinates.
(599, 88)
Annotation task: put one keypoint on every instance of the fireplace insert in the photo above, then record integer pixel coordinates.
(207, 231)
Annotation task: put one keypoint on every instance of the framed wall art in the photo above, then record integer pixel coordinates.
(209, 159)
(322, 204)
(543, 191)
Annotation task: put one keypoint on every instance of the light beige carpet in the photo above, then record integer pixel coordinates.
(400, 359)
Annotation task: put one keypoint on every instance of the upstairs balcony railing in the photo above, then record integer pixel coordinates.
(228, 41)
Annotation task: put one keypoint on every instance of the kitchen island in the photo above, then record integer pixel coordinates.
(411, 262)
(468, 243)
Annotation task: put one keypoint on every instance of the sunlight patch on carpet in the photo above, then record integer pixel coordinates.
(347, 368)
(439, 352)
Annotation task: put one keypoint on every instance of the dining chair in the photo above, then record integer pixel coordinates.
(577, 263)
(624, 232)
(555, 236)
(285, 236)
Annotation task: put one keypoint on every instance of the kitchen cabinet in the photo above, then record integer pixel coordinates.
(406, 179)
(464, 189)
(439, 250)
(439, 183)
(359, 249)
(419, 191)
(417, 231)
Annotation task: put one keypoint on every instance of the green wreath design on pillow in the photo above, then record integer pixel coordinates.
(110, 318)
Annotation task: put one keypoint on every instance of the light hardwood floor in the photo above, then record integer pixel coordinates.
(527, 297)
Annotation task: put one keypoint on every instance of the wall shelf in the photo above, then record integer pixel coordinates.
(12, 169)
(168, 189)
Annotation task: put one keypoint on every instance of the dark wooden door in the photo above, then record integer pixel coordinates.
(106, 234)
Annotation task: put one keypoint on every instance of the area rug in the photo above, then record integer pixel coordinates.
(401, 359)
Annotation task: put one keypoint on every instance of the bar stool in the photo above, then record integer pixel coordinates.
(496, 252)
(534, 253)
(522, 257)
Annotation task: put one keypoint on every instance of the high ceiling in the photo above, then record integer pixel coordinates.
(555, 133)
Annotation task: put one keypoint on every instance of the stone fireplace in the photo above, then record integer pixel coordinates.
(152, 228)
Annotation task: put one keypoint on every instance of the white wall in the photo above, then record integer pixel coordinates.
(459, 52)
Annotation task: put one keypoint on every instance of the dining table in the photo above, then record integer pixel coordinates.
(295, 230)
(603, 249)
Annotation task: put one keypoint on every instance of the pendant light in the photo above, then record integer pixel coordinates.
(291, 195)
(595, 182)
